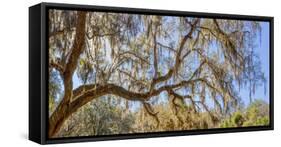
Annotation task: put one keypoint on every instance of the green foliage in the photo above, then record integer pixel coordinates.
(236, 120)
(256, 114)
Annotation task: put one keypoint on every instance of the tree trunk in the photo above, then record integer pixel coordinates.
(61, 113)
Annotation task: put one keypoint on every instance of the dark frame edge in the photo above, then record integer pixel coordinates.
(271, 70)
(213, 131)
(35, 128)
(44, 74)
(132, 10)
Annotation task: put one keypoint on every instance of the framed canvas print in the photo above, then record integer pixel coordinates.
(100, 73)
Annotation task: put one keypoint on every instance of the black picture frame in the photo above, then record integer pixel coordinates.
(38, 76)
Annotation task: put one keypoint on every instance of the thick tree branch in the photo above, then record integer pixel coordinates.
(76, 50)
(86, 93)
(58, 117)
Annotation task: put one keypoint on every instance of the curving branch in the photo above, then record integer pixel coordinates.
(87, 93)
(76, 50)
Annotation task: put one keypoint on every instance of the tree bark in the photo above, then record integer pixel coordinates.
(86, 93)
(75, 99)
(61, 113)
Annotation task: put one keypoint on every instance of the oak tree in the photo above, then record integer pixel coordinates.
(184, 60)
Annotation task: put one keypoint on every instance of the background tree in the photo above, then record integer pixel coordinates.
(256, 114)
(143, 58)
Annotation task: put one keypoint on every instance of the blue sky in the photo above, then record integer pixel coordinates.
(262, 49)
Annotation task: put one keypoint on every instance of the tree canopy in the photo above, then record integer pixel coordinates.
(187, 62)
